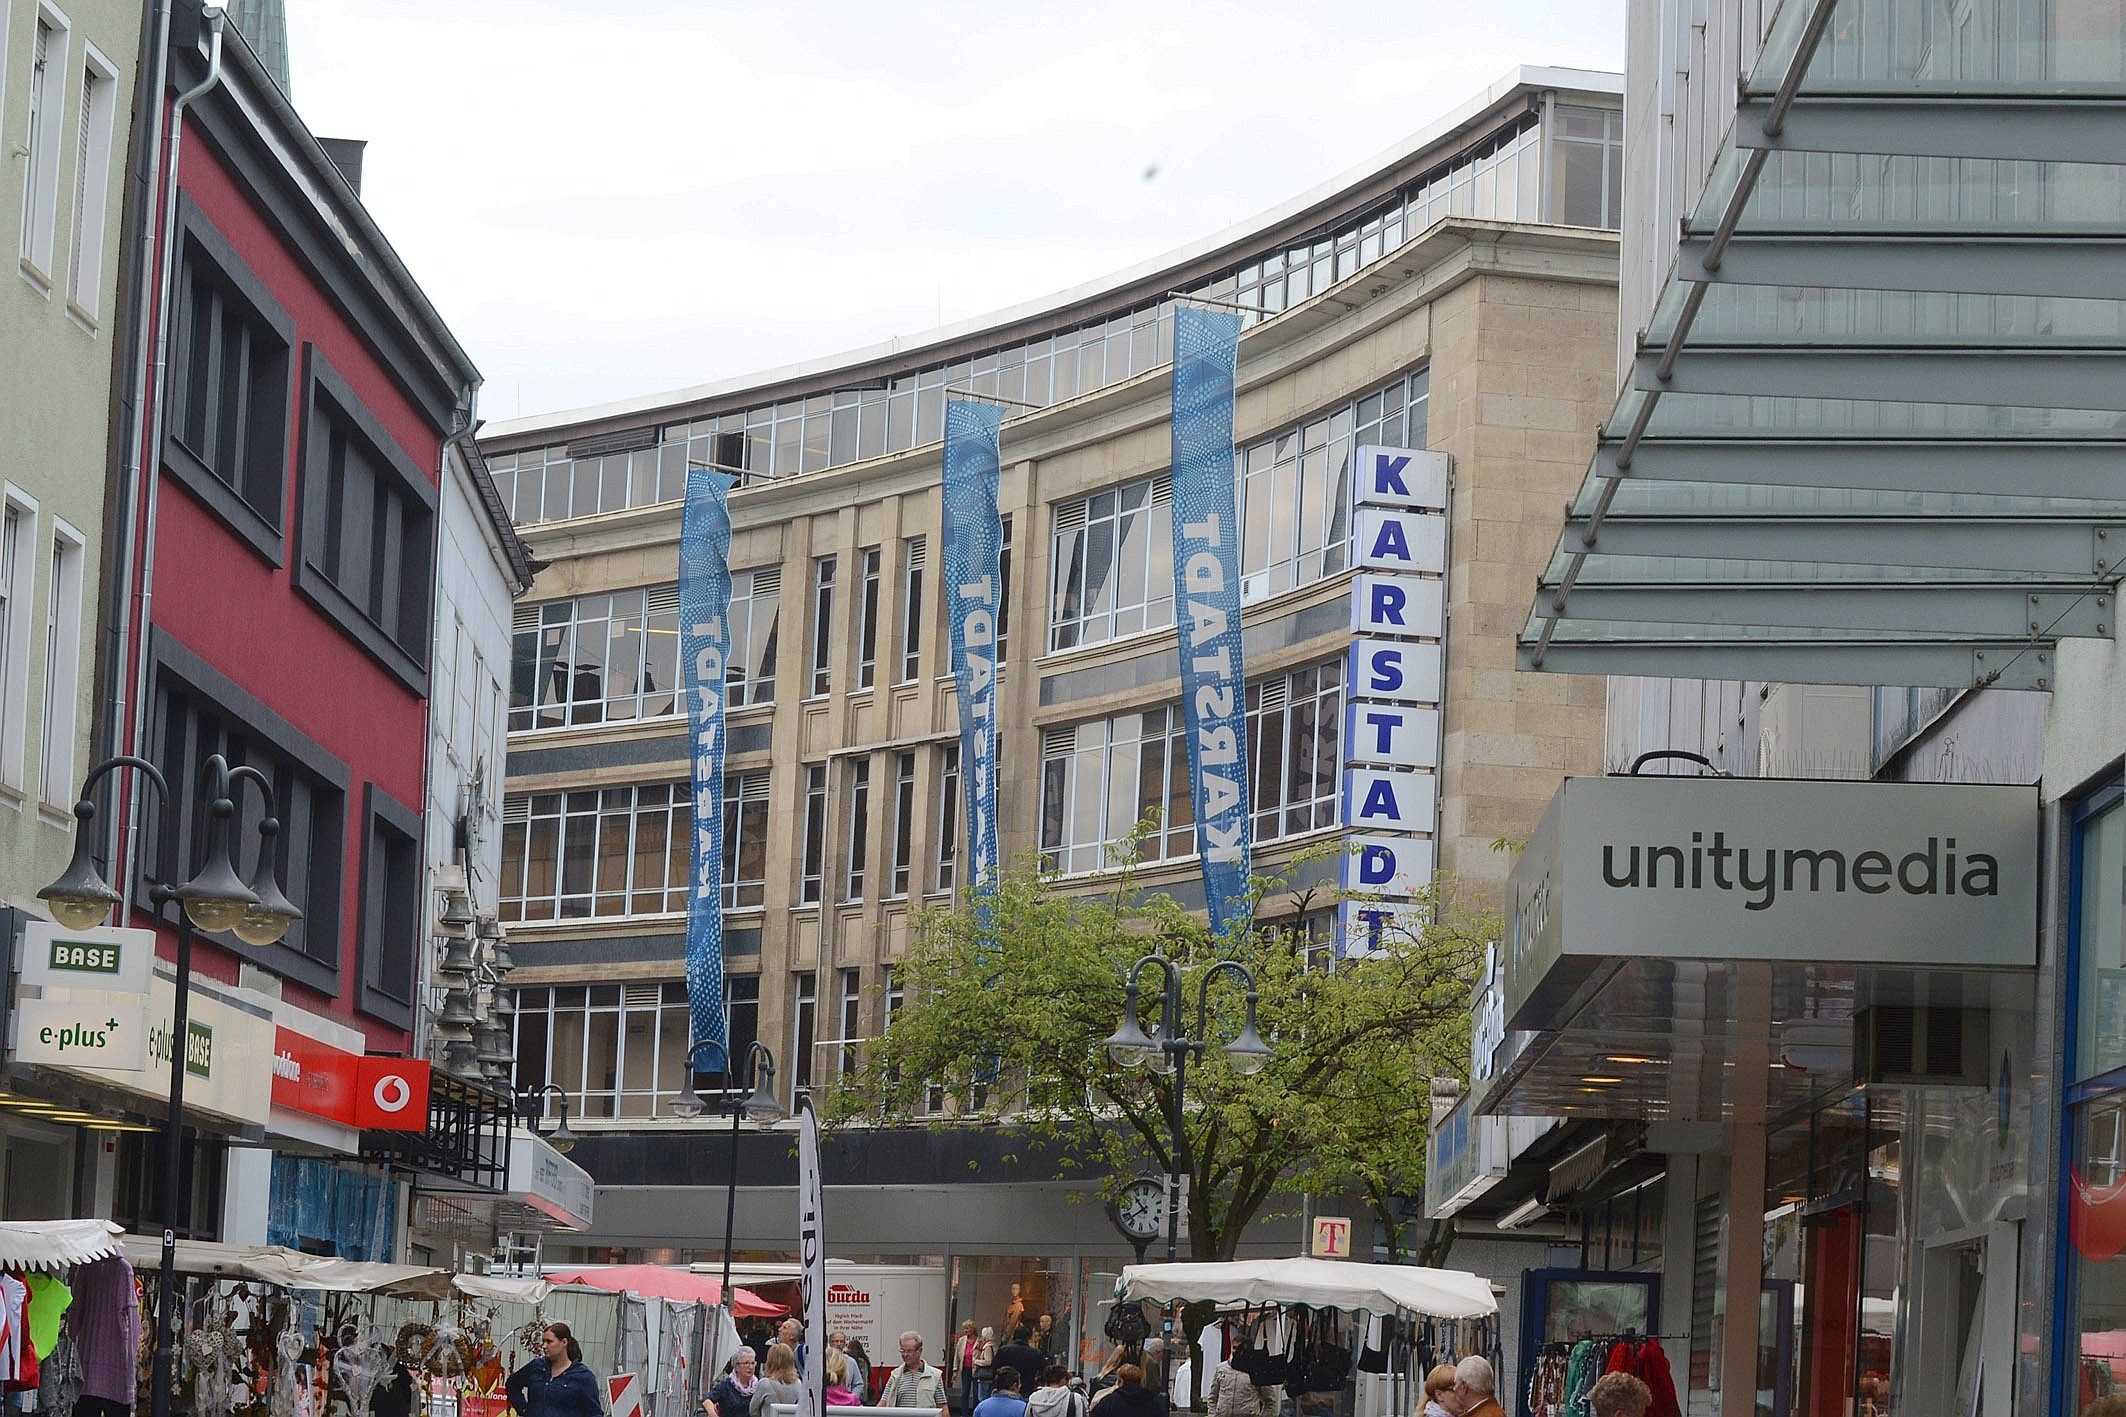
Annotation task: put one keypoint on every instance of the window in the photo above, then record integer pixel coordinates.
(903, 822)
(815, 862)
(852, 1022)
(867, 641)
(608, 658)
(40, 151)
(914, 552)
(592, 852)
(948, 838)
(18, 521)
(617, 1050)
(804, 1018)
(369, 535)
(92, 168)
(62, 668)
(231, 360)
(391, 907)
(195, 712)
(749, 674)
(822, 627)
(745, 840)
(1102, 777)
(859, 829)
(1004, 594)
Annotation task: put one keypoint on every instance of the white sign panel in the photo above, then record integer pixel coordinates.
(1398, 671)
(1381, 801)
(1391, 735)
(1881, 873)
(1395, 866)
(1401, 541)
(56, 957)
(1402, 477)
(80, 1028)
(1386, 604)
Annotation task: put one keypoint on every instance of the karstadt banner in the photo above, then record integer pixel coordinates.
(1207, 604)
(704, 648)
(974, 588)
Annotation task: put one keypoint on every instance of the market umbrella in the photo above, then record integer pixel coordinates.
(655, 1281)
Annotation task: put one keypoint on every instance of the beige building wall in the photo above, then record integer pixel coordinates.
(58, 315)
(1517, 326)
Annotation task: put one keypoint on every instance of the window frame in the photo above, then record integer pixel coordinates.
(264, 530)
(407, 662)
(378, 996)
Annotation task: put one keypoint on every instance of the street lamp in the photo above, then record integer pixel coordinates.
(530, 1105)
(1170, 1050)
(752, 1100)
(215, 900)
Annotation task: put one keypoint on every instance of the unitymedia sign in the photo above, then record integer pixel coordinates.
(1748, 868)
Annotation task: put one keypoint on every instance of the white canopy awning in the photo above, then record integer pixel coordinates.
(55, 1244)
(1321, 1284)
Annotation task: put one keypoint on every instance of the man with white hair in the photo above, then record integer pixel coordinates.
(1475, 1388)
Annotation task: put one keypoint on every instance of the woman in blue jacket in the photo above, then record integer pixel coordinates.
(555, 1384)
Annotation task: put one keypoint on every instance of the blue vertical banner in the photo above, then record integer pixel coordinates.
(1207, 604)
(974, 590)
(704, 647)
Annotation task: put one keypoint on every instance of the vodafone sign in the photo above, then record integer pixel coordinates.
(373, 1094)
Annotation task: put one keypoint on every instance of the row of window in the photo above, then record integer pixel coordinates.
(1503, 181)
(614, 657)
(59, 59)
(56, 628)
(1112, 567)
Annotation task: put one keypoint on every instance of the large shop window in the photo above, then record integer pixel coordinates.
(618, 1050)
(1100, 778)
(600, 852)
(609, 658)
(391, 907)
(1113, 557)
(2093, 1201)
(369, 527)
(197, 712)
(232, 347)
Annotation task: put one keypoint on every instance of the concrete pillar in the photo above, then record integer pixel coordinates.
(1744, 1280)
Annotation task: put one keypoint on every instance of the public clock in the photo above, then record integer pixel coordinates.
(1140, 1211)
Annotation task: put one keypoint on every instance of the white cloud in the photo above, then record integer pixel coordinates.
(608, 199)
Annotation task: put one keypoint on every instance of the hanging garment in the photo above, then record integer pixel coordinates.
(105, 1323)
(1654, 1372)
(51, 1299)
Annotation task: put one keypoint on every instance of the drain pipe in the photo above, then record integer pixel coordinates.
(216, 18)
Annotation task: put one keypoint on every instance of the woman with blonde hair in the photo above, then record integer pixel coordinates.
(1437, 1384)
(778, 1379)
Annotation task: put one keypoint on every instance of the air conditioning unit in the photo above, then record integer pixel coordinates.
(1919, 1045)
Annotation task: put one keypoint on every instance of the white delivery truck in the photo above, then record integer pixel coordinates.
(873, 1303)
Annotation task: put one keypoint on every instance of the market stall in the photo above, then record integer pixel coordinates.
(1342, 1338)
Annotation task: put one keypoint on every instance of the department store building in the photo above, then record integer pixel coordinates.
(1851, 1115)
(1456, 296)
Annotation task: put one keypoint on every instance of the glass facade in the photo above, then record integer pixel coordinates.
(1500, 179)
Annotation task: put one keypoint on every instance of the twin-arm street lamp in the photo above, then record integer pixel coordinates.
(1169, 1051)
(216, 899)
(752, 1099)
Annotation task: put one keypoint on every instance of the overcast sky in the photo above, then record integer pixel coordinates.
(618, 197)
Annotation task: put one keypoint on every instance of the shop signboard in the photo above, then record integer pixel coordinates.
(107, 958)
(1882, 873)
(1393, 683)
(549, 1182)
(83, 1028)
(228, 1050)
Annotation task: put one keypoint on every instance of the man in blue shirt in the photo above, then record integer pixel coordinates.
(1005, 1401)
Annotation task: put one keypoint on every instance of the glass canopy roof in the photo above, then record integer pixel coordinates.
(1875, 431)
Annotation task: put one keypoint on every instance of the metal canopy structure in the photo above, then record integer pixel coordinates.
(1875, 431)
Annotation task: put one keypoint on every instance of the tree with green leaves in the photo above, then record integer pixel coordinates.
(1016, 1028)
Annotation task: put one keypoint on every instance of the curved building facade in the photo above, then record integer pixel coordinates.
(1459, 295)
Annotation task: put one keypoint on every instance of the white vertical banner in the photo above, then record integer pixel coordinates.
(812, 1256)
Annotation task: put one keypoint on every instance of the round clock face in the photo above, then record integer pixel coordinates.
(1141, 1211)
